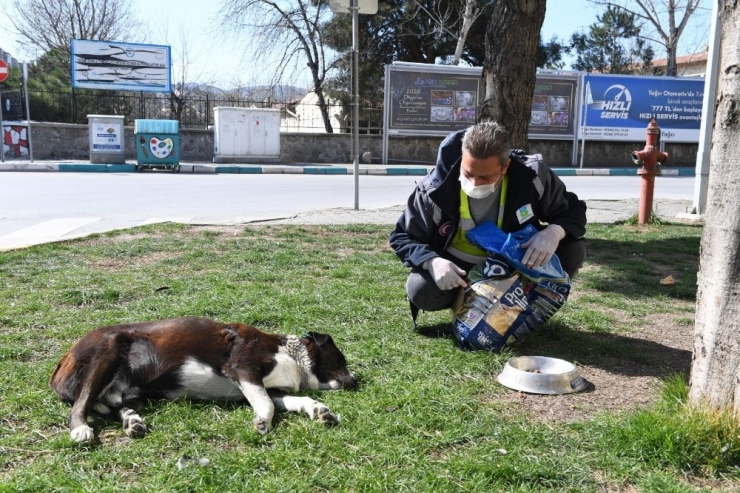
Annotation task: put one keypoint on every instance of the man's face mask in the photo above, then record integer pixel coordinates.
(479, 192)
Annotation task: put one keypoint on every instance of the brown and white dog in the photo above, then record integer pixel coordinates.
(113, 369)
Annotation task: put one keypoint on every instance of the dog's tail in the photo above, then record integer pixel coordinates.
(64, 381)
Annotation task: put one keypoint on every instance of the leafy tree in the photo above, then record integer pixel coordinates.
(454, 19)
(50, 97)
(644, 54)
(402, 30)
(412, 31)
(662, 16)
(50, 72)
(510, 69)
(377, 48)
(420, 29)
(611, 45)
(550, 54)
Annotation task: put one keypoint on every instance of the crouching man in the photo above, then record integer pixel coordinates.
(479, 178)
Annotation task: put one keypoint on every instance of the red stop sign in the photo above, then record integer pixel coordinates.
(3, 70)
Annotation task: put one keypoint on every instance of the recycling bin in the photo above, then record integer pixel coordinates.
(106, 139)
(157, 144)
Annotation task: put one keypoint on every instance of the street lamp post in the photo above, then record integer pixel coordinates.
(355, 7)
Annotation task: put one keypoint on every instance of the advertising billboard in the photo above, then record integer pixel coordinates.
(121, 66)
(554, 106)
(619, 107)
(431, 99)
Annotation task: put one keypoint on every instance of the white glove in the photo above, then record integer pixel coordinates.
(446, 274)
(542, 245)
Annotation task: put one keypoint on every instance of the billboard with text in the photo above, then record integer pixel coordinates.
(554, 105)
(619, 107)
(431, 98)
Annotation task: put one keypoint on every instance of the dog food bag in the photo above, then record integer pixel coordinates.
(506, 300)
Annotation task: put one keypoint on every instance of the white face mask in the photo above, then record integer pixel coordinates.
(479, 192)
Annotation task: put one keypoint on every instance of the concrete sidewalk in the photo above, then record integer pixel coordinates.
(599, 211)
(293, 168)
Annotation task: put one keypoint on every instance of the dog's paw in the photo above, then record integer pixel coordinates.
(324, 415)
(82, 433)
(133, 426)
(262, 426)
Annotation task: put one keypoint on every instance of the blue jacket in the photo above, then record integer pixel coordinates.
(430, 221)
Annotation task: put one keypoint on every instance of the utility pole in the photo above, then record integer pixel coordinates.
(355, 7)
(28, 112)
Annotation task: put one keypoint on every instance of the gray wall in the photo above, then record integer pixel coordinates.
(71, 142)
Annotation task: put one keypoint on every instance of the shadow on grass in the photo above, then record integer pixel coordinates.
(629, 356)
(436, 331)
(634, 268)
(112, 428)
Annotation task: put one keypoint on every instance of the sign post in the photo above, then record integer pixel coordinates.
(3, 75)
(355, 7)
(28, 112)
(356, 100)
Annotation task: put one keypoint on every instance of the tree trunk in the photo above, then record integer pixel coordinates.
(318, 88)
(671, 55)
(510, 69)
(715, 369)
(324, 109)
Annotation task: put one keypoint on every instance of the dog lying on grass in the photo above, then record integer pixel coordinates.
(113, 369)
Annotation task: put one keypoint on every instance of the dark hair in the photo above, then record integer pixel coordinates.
(487, 139)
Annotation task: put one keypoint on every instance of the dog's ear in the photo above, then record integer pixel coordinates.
(319, 339)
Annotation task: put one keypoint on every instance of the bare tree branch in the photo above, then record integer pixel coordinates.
(658, 13)
(46, 25)
(292, 25)
(471, 11)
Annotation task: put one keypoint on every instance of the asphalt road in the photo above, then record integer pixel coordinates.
(37, 207)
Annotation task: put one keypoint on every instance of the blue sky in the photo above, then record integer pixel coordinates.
(219, 62)
(564, 17)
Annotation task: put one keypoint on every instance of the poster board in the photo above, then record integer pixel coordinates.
(121, 66)
(619, 107)
(554, 107)
(425, 99)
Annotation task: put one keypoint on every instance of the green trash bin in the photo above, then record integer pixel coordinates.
(157, 144)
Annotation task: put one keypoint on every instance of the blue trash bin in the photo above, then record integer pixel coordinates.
(157, 144)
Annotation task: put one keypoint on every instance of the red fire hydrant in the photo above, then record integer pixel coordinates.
(649, 158)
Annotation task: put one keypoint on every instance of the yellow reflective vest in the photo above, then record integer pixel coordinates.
(461, 247)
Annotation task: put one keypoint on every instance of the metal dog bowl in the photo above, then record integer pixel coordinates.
(541, 375)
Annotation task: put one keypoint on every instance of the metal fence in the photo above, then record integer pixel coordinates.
(193, 112)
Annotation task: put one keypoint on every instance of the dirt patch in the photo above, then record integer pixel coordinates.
(607, 392)
(228, 230)
(659, 348)
(663, 347)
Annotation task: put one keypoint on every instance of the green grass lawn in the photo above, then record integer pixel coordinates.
(427, 416)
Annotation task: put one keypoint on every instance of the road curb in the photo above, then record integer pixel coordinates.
(304, 169)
